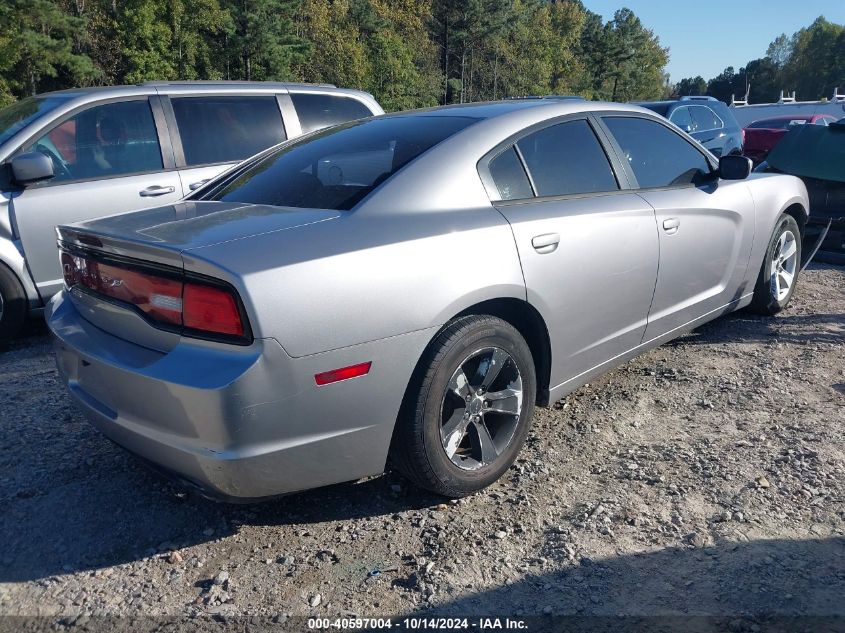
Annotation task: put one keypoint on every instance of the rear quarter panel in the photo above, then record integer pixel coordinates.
(361, 278)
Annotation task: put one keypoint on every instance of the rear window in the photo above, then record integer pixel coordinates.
(316, 111)
(337, 168)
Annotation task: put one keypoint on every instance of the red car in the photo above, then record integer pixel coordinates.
(761, 136)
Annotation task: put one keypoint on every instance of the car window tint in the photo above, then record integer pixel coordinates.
(658, 156)
(705, 118)
(317, 111)
(567, 159)
(109, 140)
(338, 167)
(681, 117)
(509, 176)
(226, 129)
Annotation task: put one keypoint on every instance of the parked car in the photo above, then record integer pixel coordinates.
(708, 120)
(409, 286)
(761, 136)
(816, 154)
(79, 154)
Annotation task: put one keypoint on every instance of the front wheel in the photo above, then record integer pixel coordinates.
(469, 408)
(779, 273)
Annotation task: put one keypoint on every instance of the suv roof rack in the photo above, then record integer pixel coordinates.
(697, 98)
(228, 82)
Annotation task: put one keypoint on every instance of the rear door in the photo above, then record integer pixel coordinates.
(108, 158)
(217, 131)
(588, 248)
(706, 225)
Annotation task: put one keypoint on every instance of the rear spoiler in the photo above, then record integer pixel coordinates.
(87, 239)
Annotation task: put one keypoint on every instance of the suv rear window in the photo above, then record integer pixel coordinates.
(337, 168)
(226, 129)
(316, 111)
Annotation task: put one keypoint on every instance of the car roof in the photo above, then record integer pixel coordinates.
(505, 107)
(199, 84)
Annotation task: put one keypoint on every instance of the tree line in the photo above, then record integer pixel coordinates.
(407, 53)
(811, 62)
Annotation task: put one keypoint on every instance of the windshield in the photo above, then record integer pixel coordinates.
(20, 114)
(338, 167)
(660, 108)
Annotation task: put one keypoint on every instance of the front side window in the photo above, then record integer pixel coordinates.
(705, 118)
(337, 168)
(567, 159)
(509, 175)
(658, 156)
(226, 129)
(17, 116)
(113, 139)
(316, 111)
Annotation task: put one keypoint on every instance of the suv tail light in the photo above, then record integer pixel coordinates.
(166, 298)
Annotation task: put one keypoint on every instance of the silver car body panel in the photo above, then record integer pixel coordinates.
(32, 213)
(327, 289)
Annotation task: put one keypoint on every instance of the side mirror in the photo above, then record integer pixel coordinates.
(734, 167)
(31, 167)
(686, 128)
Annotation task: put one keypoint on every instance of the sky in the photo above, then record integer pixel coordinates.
(731, 33)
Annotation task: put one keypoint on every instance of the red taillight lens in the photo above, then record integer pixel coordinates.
(211, 310)
(168, 300)
(344, 373)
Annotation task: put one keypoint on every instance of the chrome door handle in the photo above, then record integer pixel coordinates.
(196, 185)
(156, 190)
(671, 225)
(546, 243)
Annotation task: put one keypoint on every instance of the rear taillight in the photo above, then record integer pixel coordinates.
(166, 299)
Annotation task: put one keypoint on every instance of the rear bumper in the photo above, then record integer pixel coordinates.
(240, 423)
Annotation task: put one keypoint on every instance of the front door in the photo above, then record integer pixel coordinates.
(589, 250)
(107, 159)
(705, 225)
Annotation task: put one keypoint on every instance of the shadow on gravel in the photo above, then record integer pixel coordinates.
(746, 327)
(736, 585)
(120, 512)
(34, 332)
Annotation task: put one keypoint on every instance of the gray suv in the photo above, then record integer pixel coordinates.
(706, 119)
(79, 154)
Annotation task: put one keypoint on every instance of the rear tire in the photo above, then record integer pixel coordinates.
(12, 305)
(779, 274)
(468, 409)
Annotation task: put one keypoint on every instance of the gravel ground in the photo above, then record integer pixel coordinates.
(704, 478)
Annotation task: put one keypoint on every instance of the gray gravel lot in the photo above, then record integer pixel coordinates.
(706, 477)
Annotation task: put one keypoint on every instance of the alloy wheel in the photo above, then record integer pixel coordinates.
(481, 408)
(784, 265)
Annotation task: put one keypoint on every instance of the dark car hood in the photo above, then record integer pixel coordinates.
(194, 224)
(811, 151)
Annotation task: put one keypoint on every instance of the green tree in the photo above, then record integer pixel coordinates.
(38, 48)
(691, 86)
(261, 43)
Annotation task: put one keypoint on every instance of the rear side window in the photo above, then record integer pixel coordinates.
(113, 139)
(226, 129)
(705, 118)
(567, 159)
(658, 156)
(337, 168)
(510, 178)
(681, 117)
(316, 111)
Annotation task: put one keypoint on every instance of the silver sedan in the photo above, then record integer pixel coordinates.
(403, 290)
